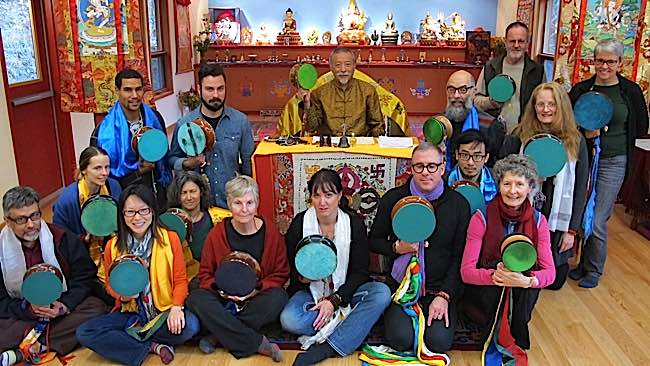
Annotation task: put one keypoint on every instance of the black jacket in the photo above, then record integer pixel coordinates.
(357, 266)
(78, 269)
(636, 124)
(446, 243)
(531, 77)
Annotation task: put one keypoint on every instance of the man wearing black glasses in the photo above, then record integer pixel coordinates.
(439, 256)
(25, 241)
(471, 153)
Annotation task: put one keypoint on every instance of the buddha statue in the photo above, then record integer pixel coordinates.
(429, 31)
(263, 37)
(389, 35)
(289, 34)
(352, 23)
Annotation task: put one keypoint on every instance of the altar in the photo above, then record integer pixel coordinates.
(367, 172)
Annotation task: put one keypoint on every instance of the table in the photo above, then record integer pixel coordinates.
(636, 189)
(367, 172)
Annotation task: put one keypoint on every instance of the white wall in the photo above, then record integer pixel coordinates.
(8, 172)
(506, 14)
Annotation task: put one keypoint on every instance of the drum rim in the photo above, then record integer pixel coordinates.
(311, 239)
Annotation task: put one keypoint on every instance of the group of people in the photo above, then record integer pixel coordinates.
(456, 271)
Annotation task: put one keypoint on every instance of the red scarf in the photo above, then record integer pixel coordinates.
(498, 216)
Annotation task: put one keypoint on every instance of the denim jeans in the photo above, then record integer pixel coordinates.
(611, 172)
(368, 303)
(106, 336)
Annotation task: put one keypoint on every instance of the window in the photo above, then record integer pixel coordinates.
(550, 27)
(159, 49)
(545, 37)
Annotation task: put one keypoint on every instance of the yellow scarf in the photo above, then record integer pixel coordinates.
(161, 270)
(290, 121)
(217, 214)
(95, 245)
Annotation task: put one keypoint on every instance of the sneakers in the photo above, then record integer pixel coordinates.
(576, 274)
(590, 280)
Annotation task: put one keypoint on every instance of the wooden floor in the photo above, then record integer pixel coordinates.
(608, 325)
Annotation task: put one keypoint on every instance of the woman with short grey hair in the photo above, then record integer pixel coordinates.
(235, 321)
(482, 267)
(629, 122)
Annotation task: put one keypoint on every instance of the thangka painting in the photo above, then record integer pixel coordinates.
(365, 179)
(606, 19)
(183, 38)
(96, 39)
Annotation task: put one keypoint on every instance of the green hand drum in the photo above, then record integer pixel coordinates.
(307, 76)
(150, 144)
(472, 193)
(518, 253)
(42, 284)
(99, 215)
(196, 137)
(128, 275)
(501, 88)
(178, 220)
(413, 219)
(315, 257)
(436, 129)
(548, 153)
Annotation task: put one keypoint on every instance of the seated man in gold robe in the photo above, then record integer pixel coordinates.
(345, 102)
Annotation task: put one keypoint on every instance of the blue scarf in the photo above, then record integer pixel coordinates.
(487, 185)
(114, 136)
(471, 122)
(590, 208)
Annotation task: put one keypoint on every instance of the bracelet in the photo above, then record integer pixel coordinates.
(335, 299)
(442, 294)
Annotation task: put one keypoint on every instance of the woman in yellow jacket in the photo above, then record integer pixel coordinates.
(154, 320)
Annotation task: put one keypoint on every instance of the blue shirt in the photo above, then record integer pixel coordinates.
(233, 139)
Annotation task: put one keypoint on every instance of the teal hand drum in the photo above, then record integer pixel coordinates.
(518, 253)
(191, 139)
(413, 219)
(501, 88)
(128, 275)
(42, 284)
(315, 257)
(436, 129)
(307, 76)
(178, 220)
(99, 215)
(548, 153)
(593, 110)
(472, 193)
(150, 143)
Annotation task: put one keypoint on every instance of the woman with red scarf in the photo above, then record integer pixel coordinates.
(496, 295)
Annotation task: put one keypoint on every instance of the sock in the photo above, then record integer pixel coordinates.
(8, 358)
(315, 354)
(207, 344)
(269, 349)
(165, 352)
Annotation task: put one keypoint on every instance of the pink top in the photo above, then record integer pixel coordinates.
(483, 276)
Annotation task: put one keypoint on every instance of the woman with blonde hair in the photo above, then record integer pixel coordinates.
(561, 198)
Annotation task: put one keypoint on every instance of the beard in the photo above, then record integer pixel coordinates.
(458, 113)
(214, 104)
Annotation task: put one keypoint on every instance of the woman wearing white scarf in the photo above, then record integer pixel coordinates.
(550, 111)
(332, 319)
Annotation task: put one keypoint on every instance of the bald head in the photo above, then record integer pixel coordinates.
(460, 90)
(461, 77)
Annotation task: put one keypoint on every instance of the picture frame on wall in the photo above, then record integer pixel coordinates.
(225, 25)
(477, 47)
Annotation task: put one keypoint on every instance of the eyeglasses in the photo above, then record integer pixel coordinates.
(462, 90)
(542, 106)
(476, 157)
(610, 63)
(143, 212)
(22, 220)
(431, 167)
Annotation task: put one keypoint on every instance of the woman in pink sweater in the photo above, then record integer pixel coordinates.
(482, 269)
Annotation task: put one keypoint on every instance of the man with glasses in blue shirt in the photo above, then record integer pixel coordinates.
(471, 153)
(26, 241)
(439, 255)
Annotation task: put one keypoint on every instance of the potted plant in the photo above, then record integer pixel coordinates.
(202, 40)
(189, 99)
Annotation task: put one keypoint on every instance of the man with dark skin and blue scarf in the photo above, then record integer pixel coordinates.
(115, 132)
